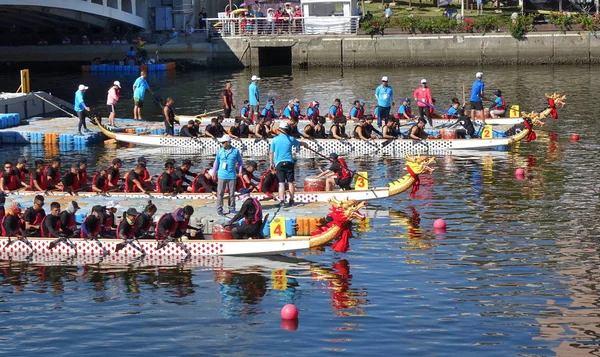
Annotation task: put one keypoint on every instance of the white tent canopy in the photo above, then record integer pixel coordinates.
(333, 16)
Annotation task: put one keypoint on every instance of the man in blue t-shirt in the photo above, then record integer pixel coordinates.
(282, 160)
(254, 98)
(80, 107)
(477, 97)
(385, 100)
(228, 163)
(139, 90)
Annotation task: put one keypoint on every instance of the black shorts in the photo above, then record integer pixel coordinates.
(344, 184)
(138, 102)
(477, 105)
(81, 116)
(112, 108)
(285, 172)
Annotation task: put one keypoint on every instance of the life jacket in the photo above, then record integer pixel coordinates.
(43, 181)
(38, 216)
(147, 226)
(82, 179)
(145, 175)
(245, 112)
(315, 113)
(270, 112)
(76, 183)
(339, 112)
(105, 186)
(450, 116)
(346, 174)
(13, 181)
(56, 176)
(407, 110)
(57, 226)
(503, 105)
(94, 232)
(21, 174)
(4, 234)
(72, 223)
(116, 178)
(108, 221)
(158, 182)
(177, 226)
(134, 187)
(240, 183)
(131, 232)
(257, 213)
(273, 187)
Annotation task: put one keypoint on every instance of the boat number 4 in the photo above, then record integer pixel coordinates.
(362, 181)
(277, 228)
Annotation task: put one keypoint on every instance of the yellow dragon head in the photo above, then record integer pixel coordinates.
(419, 163)
(559, 99)
(536, 117)
(345, 210)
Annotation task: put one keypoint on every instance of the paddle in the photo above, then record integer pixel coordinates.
(95, 239)
(22, 239)
(201, 115)
(62, 239)
(55, 105)
(329, 159)
(127, 242)
(177, 241)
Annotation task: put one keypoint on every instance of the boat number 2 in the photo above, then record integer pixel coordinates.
(362, 181)
(487, 132)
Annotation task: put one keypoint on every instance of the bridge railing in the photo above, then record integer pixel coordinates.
(263, 26)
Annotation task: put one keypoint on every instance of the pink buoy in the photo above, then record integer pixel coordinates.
(439, 224)
(289, 325)
(574, 137)
(289, 312)
(519, 172)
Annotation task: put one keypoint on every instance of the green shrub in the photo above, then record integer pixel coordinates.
(521, 26)
(375, 26)
(587, 22)
(562, 20)
(408, 23)
(487, 23)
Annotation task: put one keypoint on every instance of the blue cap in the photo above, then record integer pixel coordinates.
(271, 100)
(244, 191)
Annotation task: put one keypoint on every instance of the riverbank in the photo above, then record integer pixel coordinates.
(342, 51)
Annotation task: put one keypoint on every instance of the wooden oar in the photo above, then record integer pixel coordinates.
(329, 159)
(54, 105)
(201, 115)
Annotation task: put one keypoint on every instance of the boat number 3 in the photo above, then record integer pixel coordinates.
(362, 181)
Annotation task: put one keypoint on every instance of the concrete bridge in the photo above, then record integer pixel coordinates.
(41, 15)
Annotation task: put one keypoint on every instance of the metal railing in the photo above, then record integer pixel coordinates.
(264, 26)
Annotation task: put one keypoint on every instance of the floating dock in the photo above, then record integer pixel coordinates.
(56, 132)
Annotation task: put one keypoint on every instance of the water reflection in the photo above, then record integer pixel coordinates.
(345, 299)
(415, 238)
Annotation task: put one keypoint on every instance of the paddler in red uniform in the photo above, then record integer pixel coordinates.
(34, 215)
(37, 180)
(51, 226)
(52, 174)
(337, 174)
(11, 222)
(9, 181)
(251, 211)
(21, 170)
(67, 218)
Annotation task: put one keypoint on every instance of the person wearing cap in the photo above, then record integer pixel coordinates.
(498, 108)
(67, 218)
(37, 179)
(404, 111)
(174, 225)
(356, 112)
(335, 111)
(111, 101)
(282, 161)
(114, 174)
(251, 211)
(313, 110)
(337, 174)
(80, 107)
(189, 130)
(424, 101)
(169, 117)
(126, 229)
(139, 90)
(228, 163)
(92, 223)
(21, 171)
(390, 129)
(133, 179)
(181, 173)
(254, 97)
(204, 182)
(144, 222)
(269, 110)
(417, 131)
(385, 100)
(11, 222)
(246, 177)
(338, 129)
(70, 181)
(166, 180)
(51, 226)
(34, 215)
(245, 110)
(477, 97)
(52, 174)
(227, 98)
(108, 219)
(9, 181)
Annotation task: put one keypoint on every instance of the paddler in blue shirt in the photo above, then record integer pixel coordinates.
(269, 110)
(288, 111)
(254, 98)
(245, 111)
(313, 110)
(335, 110)
(477, 97)
(296, 108)
(385, 100)
(355, 111)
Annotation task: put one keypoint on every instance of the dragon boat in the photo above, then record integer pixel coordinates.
(415, 166)
(339, 226)
(259, 147)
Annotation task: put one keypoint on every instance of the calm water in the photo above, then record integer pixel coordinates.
(516, 273)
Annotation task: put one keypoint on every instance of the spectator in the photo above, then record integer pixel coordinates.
(270, 21)
(202, 15)
(297, 22)
(388, 11)
(130, 55)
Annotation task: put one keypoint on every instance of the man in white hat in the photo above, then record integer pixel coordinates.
(282, 161)
(385, 100)
(477, 97)
(111, 101)
(80, 107)
(424, 101)
(254, 98)
(228, 163)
